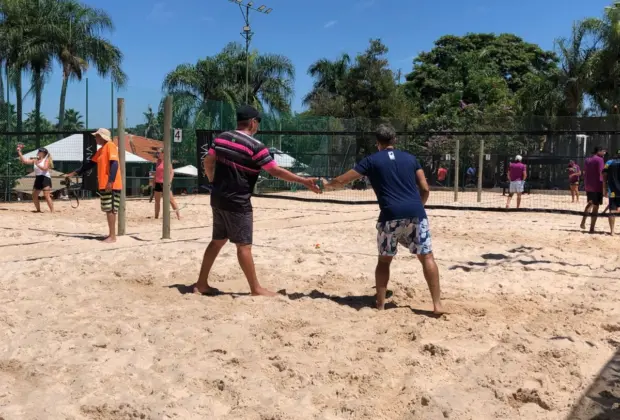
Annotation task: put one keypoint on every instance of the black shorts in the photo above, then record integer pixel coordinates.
(236, 227)
(595, 198)
(614, 203)
(159, 187)
(110, 201)
(42, 182)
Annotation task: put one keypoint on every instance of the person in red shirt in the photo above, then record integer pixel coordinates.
(109, 178)
(159, 185)
(442, 173)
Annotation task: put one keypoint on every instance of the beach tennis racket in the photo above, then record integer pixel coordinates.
(72, 193)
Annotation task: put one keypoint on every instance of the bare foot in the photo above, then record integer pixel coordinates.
(178, 215)
(109, 240)
(583, 225)
(438, 309)
(264, 292)
(208, 291)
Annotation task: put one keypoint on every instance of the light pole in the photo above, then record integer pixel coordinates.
(247, 35)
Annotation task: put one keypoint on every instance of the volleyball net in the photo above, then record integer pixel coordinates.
(465, 170)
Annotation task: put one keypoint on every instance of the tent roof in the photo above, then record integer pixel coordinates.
(284, 160)
(190, 170)
(69, 149)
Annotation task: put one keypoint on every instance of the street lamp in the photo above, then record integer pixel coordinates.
(247, 35)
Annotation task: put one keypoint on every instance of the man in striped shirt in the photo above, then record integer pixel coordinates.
(232, 166)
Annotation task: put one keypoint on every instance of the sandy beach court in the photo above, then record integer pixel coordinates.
(101, 332)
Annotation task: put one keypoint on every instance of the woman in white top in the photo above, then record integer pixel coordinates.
(43, 178)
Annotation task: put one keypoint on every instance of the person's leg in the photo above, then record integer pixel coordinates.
(509, 200)
(382, 278)
(420, 243)
(594, 217)
(48, 198)
(431, 274)
(586, 214)
(246, 261)
(519, 200)
(612, 221)
(111, 217)
(211, 253)
(572, 193)
(35, 200)
(157, 203)
(174, 205)
(388, 234)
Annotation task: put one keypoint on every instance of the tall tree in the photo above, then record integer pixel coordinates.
(329, 78)
(81, 43)
(72, 121)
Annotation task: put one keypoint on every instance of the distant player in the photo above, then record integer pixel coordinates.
(593, 180)
(611, 187)
(442, 174)
(517, 173)
(574, 174)
(401, 188)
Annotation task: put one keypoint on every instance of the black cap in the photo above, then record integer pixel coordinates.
(247, 112)
(43, 150)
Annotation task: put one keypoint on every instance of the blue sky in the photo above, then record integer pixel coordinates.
(155, 36)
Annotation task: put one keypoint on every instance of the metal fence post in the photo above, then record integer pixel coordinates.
(480, 169)
(457, 158)
(120, 109)
(167, 164)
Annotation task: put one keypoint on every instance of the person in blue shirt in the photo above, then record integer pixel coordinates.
(401, 188)
(611, 188)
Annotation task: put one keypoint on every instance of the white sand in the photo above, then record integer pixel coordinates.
(95, 331)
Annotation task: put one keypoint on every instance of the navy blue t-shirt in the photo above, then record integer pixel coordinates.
(392, 174)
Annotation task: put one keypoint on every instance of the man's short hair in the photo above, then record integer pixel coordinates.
(598, 149)
(386, 134)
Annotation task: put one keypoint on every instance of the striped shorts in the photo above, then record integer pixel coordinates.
(110, 201)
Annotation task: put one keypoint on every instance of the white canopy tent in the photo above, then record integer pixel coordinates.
(70, 148)
(189, 170)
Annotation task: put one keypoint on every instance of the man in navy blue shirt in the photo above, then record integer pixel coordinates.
(401, 188)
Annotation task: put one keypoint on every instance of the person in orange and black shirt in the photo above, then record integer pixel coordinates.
(109, 178)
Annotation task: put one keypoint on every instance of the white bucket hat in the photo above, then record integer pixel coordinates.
(104, 133)
(518, 158)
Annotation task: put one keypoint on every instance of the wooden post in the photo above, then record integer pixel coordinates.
(120, 109)
(480, 169)
(457, 158)
(167, 163)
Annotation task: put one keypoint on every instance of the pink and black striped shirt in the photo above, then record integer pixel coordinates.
(239, 159)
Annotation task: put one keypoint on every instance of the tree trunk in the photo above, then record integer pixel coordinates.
(2, 100)
(63, 98)
(18, 101)
(37, 106)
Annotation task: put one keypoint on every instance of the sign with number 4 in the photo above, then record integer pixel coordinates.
(178, 135)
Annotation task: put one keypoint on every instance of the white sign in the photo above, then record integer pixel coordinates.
(448, 157)
(178, 135)
(488, 157)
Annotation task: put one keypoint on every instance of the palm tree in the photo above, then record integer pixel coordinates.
(72, 121)
(151, 126)
(329, 77)
(576, 63)
(81, 44)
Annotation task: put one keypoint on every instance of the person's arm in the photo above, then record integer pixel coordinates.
(23, 159)
(285, 175)
(209, 165)
(113, 172)
(422, 185)
(605, 191)
(265, 161)
(524, 174)
(342, 180)
(86, 166)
